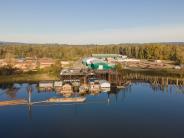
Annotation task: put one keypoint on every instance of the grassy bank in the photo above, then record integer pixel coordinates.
(26, 77)
(157, 72)
(46, 76)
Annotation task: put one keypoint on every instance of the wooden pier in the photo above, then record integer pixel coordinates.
(77, 77)
(120, 79)
(13, 102)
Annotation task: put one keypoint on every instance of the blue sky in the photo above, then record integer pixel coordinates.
(91, 21)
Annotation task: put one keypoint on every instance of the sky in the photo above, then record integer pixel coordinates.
(91, 21)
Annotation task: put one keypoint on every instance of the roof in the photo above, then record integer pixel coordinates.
(101, 65)
(99, 61)
(71, 72)
(88, 60)
(105, 55)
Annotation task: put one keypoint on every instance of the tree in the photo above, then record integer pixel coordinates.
(8, 70)
(56, 68)
(118, 67)
(180, 57)
(10, 59)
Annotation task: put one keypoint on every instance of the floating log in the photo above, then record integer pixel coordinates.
(66, 100)
(13, 102)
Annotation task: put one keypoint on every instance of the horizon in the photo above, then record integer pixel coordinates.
(80, 22)
(90, 44)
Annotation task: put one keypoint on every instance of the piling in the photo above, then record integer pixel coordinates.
(176, 82)
(29, 95)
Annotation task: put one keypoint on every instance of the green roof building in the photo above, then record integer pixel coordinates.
(101, 66)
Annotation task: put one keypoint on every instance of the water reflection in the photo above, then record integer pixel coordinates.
(11, 90)
(129, 112)
(31, 93)
(11, 93)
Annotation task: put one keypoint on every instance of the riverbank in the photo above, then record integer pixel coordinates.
(45, 76)
(156, 72)
(26, 77)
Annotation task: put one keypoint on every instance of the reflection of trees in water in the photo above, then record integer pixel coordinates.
(119, 94)
(169, 89)
(6, 86)
(158, 82)
(9, 89)
(11, 93)
(154, 80)
(180, 90)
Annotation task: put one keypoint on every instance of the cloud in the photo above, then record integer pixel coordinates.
(127, 35)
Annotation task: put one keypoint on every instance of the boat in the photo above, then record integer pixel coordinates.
(105, 89)
(67, 100)
(83, 89)
(104, 84)
(94, 87)
(58, 86)
(75, 84)
(67, 94)
(45, 85)
(66, 90)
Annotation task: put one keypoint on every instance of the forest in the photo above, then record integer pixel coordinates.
(162, 51)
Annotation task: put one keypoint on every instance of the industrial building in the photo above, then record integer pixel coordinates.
(115, 56)
(97, 64)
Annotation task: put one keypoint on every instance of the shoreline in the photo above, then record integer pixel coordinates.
(36, 77)
(27, 78)
(157, 72)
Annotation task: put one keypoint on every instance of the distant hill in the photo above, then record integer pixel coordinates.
(19, 43)
(4, 43)
(177, 43)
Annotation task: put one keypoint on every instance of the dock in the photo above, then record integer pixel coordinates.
(76, 75)
(67, 100)
(13, 102)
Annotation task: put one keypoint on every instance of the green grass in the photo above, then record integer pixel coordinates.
(27, 77)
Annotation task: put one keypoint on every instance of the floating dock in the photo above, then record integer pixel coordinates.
(67, 100)
(13, 102)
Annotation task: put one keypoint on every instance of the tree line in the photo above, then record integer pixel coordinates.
(157, 51)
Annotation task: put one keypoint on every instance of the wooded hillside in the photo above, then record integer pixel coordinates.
(170, 51)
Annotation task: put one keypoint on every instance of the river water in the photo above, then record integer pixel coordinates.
(138, 111)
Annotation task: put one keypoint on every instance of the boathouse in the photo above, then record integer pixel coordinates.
(75, 75)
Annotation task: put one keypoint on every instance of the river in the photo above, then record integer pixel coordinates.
(140, 110)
